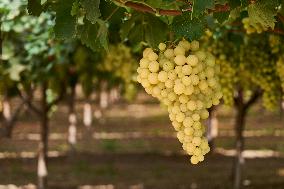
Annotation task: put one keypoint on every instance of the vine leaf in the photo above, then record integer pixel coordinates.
(65, 23)
(183, 26)
(92, 9)
(94, 36)
(221, 17)
(34, 7)
(263, 12)
(147, 28)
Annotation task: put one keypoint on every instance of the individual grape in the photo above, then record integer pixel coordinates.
(146, 52)
(194, 79)
(186, 80)
(194, 45)
(153, 78)
(169, 83)
(179, 50)
(169, 53)
(200, 158)
(152, 56)
(188, 122)
(185, 44)
(162, 46)
(180, 60)
(168, 66)
(172, 96)
(201, 55)
(183, 107)
(191, 105)
(153, 66)
(144, 73)
(177, 125)
(196, 141)
(172, 75)
(189, 131)
(179, 88)
(189, 90)
(192, 60)
(144, 63)
(196, 117)
(180, 117)
(183, 99)
(186, 69)
(162, 76)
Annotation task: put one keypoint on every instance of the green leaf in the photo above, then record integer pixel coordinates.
(222, 2)
(92, 9)
(127, 26)
(221, 16)
(263, 12)
(234, 3)
(64, 23)
(94, 36)
(103, 34)
(199, 6)
(145, 28)
(34, 7)
(183, 26)
(75, 8)
(155, 31)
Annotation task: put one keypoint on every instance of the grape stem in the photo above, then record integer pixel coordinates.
(143, 7)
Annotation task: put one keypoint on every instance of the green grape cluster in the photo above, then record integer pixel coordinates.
(275, 43)
(252, 27)
(260, 65)
(184, 78)
(250, 65)
(226, 57)
(280, 71)
(121, 66)
(119, 62)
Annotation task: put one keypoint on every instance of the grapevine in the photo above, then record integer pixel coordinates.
(184, 78)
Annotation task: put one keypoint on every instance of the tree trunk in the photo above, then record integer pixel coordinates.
(239, 160)
(88, 113)
(43, 144)
(72, 130)
(212, 128)
(9, 119)
(104, 95)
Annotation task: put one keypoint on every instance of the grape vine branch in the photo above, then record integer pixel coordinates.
(142, 7)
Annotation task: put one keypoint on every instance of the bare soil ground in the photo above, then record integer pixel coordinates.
(133, 146)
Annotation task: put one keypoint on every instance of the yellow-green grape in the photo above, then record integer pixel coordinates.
(162, 46)
(162, 76)
(252, 27)
(185, 79)
(153, 66)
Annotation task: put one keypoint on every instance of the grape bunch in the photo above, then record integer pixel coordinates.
(184, 78)
(280, 71)
(251, 27)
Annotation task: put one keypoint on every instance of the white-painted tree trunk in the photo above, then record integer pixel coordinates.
(6, 109)
(87, 114)
(41, 171)
(72, 130)
(212, 128)
(104, 95)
